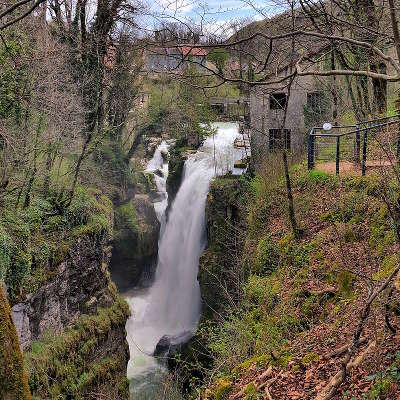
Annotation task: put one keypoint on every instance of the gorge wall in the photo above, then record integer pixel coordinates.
(72, 327)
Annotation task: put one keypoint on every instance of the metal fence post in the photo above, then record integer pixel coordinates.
(337, 154)
(311, 148)
(364, 154)
(357, 149)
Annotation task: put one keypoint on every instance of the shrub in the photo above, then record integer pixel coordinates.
(345, 281)
(222, 389)
(267, 256)
(251, 391)
(317, 176)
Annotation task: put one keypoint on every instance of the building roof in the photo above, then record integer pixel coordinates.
(187, 50)
(179, 50)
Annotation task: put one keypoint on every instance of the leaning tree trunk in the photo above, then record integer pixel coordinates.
(13, 381)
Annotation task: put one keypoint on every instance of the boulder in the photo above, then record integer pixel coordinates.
(169, 345)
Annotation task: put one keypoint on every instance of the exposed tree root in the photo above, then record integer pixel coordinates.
(342, 350)
(329, 391)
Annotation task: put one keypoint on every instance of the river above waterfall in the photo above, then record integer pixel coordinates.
(171, 306)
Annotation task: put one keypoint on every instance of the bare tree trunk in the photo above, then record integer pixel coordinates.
(334, 89)
(34, 170)
(292, 215)
(395, 27)
(49, 165)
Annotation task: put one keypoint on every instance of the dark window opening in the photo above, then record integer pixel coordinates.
(277, 101)
(314, 101)
(277, 140)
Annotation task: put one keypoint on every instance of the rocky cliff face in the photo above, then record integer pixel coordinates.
(225, 223)
(72, 329)
(79, 286)
(135, 241)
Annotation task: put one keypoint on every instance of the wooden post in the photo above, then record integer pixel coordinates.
(364, 154)
(337, 154)
(311, 145)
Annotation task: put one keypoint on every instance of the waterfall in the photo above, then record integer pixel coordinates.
(158, 165)
(172, 305)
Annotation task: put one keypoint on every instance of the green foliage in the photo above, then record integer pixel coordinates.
(267, 256)
(318, 176)
(345, 281)
(383, 380)
(250, 392)
(125, 216)
(349, 234)
(351, 207)
(257, 361)
(263, 323)
(5, 251)
(387, 266)
(222, 389)
(33, 241)
(12, 79)
(309, 358)
(219, 57)
(110, 158)
(295, 255)
(180, 107)
(58, 364)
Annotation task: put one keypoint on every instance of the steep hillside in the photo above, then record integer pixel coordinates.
(285, 334)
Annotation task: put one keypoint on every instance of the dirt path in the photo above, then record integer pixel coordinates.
(349, 168)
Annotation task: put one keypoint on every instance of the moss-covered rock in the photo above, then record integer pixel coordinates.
(176, 165)
(135, 241)
(13, 382)
(89, 357)
(226, 221)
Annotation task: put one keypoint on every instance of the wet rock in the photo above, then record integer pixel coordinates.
(176, 165)
(164, 155)
(78, 286)
(159, 173)
(135, 241)
(169, 345)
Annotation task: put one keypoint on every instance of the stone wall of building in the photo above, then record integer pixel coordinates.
(263, 118)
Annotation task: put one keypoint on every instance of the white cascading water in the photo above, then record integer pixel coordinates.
(158, 165)
(172, 305)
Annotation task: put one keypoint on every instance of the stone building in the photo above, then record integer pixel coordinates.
(267, 105)
(310, 96)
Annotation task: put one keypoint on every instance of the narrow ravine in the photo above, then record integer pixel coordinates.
(171, 307)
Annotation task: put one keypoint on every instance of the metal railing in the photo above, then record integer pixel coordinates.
(349, 142)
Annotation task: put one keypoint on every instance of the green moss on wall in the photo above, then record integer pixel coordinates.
(69, 363)
(33, 241)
